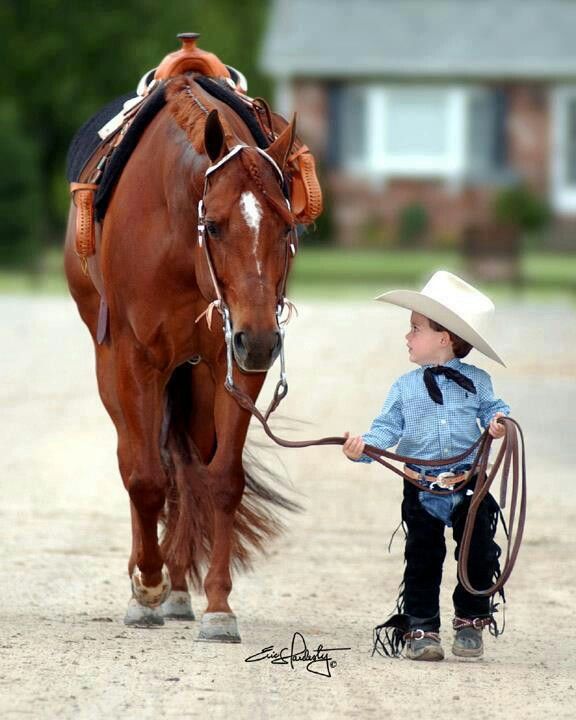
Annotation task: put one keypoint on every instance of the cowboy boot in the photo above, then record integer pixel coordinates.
(468, 641)
(423, 645)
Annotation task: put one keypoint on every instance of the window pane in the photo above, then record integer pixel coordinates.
(417, 122)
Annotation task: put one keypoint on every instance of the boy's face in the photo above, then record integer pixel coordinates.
(425, 345)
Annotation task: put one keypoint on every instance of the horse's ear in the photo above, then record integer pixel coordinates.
(280, 148)
(214, 139)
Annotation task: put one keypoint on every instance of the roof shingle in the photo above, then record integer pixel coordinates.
(430, 38)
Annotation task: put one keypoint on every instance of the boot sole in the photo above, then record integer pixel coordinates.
(430, 654)
(467, 652)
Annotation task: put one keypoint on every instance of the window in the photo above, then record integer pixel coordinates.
(420, 131)
(415, 123)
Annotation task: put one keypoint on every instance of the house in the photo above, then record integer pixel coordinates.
(433, 104)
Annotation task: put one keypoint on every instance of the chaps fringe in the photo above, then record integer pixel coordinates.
(388, 637)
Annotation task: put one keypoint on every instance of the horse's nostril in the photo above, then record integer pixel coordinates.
(239, 344)
(256, 351)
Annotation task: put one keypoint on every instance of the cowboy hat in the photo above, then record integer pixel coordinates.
(454, 304)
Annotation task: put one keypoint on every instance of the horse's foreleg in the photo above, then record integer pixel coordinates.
(139, 614)
(227, 486)
(140, 395)
(106, 372)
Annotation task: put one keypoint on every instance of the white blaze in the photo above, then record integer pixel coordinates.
(252, 213)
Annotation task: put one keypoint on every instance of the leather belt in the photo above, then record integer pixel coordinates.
(442, 480)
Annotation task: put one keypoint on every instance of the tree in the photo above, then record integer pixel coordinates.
(67, 59)
(19, 191)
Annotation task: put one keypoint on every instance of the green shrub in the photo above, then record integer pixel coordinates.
(521, 207)
(413, 225)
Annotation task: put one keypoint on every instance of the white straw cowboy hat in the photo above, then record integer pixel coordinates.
(454, 304)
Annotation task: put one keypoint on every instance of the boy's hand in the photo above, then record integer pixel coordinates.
(495, 428)
(353, 447)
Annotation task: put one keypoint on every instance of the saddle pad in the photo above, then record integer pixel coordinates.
(87, 140)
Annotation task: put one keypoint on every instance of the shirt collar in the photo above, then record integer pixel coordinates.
(454, 363)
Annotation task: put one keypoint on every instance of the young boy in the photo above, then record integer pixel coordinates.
(435, 412)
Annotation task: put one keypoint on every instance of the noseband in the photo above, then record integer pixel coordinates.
(219, 304)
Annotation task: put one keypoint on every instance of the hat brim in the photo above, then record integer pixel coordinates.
(434, 310)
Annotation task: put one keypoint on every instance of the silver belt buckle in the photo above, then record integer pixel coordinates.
(442, 478)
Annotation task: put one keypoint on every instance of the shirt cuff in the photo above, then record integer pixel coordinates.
(362, 459)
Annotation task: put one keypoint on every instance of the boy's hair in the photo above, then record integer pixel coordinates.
(460, 347)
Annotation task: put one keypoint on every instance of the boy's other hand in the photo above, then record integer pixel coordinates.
(495, 428)
(353, 447)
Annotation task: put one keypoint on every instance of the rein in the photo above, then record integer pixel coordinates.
(511, 456)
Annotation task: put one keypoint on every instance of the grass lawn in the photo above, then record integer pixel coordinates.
(329, 273)
(346, 274)
(334, 273)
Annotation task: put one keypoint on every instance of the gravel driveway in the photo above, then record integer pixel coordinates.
(64, 652)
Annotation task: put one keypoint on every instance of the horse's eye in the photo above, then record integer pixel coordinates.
(212, 228)
(287, 230)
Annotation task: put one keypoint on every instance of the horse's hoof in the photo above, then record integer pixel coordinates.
(141, 616)
(177, 606)
(151, 596)
(219, 627)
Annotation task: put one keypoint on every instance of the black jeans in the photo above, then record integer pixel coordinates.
(425, 552)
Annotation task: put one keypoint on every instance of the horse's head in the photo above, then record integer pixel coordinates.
(247, 236)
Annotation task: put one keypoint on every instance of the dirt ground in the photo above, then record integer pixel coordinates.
(64, 534)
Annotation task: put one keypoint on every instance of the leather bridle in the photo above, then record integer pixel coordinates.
(220, 304)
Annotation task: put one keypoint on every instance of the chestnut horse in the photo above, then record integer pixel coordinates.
(199, 222)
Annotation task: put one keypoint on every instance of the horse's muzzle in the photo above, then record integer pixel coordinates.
(256, 351)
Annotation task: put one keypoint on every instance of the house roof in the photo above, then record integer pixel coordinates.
(430, 38)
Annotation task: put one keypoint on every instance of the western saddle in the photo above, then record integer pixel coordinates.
(306, 196)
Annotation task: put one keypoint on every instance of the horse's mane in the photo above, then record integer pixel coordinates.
(189, 108)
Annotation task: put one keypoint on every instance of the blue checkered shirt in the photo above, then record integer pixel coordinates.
(422, 428)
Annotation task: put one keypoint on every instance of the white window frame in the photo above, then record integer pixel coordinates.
(450, 165)
(563, 194)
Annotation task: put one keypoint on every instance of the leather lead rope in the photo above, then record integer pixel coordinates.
(509, 457)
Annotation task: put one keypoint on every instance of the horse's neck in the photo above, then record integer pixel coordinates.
(180, 171)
